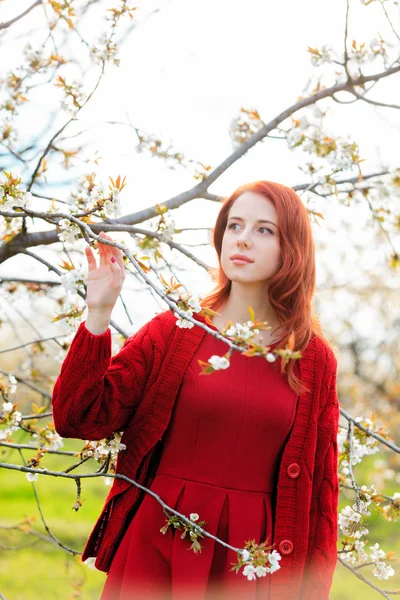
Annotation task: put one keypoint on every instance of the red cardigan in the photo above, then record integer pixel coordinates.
(134, 391)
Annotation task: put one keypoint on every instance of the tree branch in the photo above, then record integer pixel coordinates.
(7, 24)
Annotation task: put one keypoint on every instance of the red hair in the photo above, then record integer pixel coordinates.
(291, 289)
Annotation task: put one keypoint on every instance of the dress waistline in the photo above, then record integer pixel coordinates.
(215, 485)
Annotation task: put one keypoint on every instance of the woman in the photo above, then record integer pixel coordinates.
(251, 449)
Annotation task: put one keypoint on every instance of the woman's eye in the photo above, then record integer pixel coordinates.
(233, 224)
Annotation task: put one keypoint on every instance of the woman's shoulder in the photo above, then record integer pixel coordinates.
(162, 324)
(325, 352)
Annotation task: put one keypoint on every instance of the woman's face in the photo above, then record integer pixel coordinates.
(256, 240)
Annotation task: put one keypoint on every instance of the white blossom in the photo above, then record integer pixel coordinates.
(31, 476)
(356, 555)
(194, 303)
(13, 384)
(294, 137)
(112, 207)
(90, 562)
(350, 515)
(9, 203)
(274, 557)
(168, 228)
(193, 516)
(102, 448)
(218, 362)
(7, 407)
(245, 554)
(377, 553)
(324, 56)
(360, 449)
(382, 570)
(270, 357)
(26, 198)
(242, 331)
(73, 282)
(53, 439)
(249, 572)
(105, 50)
(182, 322)
(261, 571)
(70, 231)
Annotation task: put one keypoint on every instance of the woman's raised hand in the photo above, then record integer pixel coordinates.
(104, 282)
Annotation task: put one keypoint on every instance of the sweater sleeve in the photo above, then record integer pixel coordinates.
(96, 394)
(322, 543)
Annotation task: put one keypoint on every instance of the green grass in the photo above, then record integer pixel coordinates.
(44, 571)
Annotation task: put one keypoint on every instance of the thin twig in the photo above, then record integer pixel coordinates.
(370, 432)
(362, 578)
(7, 24)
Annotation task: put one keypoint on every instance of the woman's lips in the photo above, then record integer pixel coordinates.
(239, 261)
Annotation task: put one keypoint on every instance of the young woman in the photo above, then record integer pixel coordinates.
(250, 449)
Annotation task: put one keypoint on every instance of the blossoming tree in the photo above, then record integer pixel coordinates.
(33, 220)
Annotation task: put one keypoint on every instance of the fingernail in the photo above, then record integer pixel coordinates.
(113, 259)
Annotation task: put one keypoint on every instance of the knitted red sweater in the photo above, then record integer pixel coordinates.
(96, 395)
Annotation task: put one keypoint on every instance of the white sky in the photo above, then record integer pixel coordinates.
(186, 72)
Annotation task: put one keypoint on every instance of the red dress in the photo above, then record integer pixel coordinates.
(220, 459)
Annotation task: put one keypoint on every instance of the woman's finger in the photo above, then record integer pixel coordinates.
(116, 252)
(104, 253)
(92, 265)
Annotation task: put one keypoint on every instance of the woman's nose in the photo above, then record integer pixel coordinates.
(243, 239)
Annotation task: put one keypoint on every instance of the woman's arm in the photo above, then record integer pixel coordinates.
(96, 394)
(323, 534)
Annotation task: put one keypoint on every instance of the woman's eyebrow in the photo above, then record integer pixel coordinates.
(258, 220)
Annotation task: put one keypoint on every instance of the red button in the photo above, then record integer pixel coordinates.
(286, 547)
(293, 470)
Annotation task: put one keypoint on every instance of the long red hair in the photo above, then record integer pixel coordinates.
(291, 289)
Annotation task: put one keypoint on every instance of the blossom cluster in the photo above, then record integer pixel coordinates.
(308, 132)
(70, 231)
(91, 195)
(257, 560)
(177, 522)
(111, 205)
(351, 519)
(381, 570)
(105, 50)
(250, 571)
(358, 53)
(48, 436)
(73, 281)
(362, 444)
(159, 148)
(166, 227)
(74, 96)
(10, 417)
(12, 198)
(351, 523)
(391, 511)
(101, 449)
(104, 451)
(245, 125)
(187, 302)
(357, 554)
